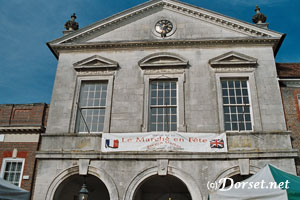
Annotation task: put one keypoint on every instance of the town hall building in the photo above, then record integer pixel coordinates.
(160, 100)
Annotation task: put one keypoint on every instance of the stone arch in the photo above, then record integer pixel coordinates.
(234, 171)
(99, 173)
(189, 182)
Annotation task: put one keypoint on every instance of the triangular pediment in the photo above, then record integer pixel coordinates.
(166, 7)
(233, 58)
(95, 63)
(136, 27)
(163, 60)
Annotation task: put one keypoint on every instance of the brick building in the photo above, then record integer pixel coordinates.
(289, 79)
(20, 129)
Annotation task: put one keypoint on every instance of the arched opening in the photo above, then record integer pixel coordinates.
(69, 188)
(162, 188)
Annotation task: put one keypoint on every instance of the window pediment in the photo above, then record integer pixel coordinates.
(233, 59)
(163, 60)
(95, 63)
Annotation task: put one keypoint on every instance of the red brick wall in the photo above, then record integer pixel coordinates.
(292, 114)
(23, 114)
(25, 150)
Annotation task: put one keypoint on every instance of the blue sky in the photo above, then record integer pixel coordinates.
(28, 67)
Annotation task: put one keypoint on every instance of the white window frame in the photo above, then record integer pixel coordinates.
(253, 99)
(163, 106)
(5, 160)
(180, 78)
(109, 79)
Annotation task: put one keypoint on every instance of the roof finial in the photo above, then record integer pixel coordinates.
(71, 25)
(257, 9)
(259, 18)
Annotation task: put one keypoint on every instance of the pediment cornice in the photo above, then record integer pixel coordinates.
(163, 59)
(233, 59)
(167, 43)
(95, 63)
(179, 7)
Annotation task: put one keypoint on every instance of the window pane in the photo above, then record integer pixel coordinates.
(160, 110)
(173, 93)
(173, 85)
(227, 126)
(167, 93)
(167, 101)
(241, 126)
(224, 84)
(163, 116)
(233, 118)
(8, 166)
(236, 105)
(19, 166)
(173, 118)
(13, 171)
(241, 118)
(248, 126)
(153, 101)
(103, 102)
(227, 118)
(160, 127)
(239, 100)
(91, 109)
(230, 84)
(160, 93)
(232, 109)
(173, 101)
(232, 100)
(246, 100)
(13, 166)
(153, 118)
(173, 127)
(244, 84)
(160, 101)
(226, 109)
(153, 94)
(234, 126)
(167, 85)
(225, 100)
(160, 85)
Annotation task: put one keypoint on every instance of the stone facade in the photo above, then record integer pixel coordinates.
(20, 129)
(125, 52)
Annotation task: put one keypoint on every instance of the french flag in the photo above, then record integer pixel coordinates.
(111, 144)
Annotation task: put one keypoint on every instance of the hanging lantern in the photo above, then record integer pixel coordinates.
(83, 193)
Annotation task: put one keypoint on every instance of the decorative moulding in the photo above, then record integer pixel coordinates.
(185, 9)
(233, 59)
(166, 44)
(95, 63)
(163, 60)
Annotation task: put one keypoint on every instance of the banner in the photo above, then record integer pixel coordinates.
(164, 141)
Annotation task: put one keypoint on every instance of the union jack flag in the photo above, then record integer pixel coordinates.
(217, 143)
